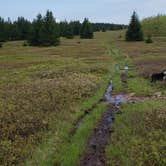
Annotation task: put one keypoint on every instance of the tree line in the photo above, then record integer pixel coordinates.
(108, 27)
(45, 31)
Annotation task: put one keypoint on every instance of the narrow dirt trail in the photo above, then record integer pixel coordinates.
(79, 121)
(95, 150)
(95, 153)
(97, 142)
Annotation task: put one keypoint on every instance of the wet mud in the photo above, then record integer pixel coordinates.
(95, 150)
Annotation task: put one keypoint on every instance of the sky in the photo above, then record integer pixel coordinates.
(111, 11)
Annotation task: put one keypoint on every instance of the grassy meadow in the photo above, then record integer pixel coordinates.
(146, 58)
(139, 132)
(43, 90)
(139, 137)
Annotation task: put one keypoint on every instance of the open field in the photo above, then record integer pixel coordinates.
(139, 131)
(148, 58)
(139, 137)
(43, 91)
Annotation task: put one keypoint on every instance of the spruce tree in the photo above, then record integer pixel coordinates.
(23, 28)
(63, 27)
(2, 28)
(49, 33)
(86, 31)
(76, 25)
(69, 32)
(134, 32)
(44, 31)
(34, 35)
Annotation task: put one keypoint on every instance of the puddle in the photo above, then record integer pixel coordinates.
(117, 100)
(95, 150)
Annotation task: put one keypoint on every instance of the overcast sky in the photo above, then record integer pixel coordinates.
(116, 11)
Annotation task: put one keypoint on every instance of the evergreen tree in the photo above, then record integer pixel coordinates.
(49, 33)
(63, 28)
(45, 31)
(34, 35)
(103, 29)
(86, 31)
(23, 28)
(134, 32)
(14, 32)
(76, 25)
(69, 32)
(2, 29)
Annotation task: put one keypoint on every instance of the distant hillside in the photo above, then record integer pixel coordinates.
(155, 26)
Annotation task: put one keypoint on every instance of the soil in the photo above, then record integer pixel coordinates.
(95, 150)
(78, 122)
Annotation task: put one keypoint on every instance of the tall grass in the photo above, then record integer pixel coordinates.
(42, 93)
(139, 137)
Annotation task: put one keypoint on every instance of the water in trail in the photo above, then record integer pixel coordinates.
(108, 98)
(95, 151)
(117, 100)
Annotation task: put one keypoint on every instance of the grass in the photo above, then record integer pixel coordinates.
(70, 154)
(139, 132)
(44, 90)
(139, 137)
(143, 60)
(42, 93)
(138, 85)
(58, 146)
(147, 58)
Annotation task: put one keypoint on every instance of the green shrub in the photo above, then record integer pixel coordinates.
(1, 45)
(25, 44)
(149, 39)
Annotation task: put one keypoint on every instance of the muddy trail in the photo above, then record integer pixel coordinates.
(95, 153)
(79, 121)
(115, 100)
(96, 144)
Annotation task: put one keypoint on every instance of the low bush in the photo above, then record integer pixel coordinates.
(28, 109)
(149, 39)
(1, 44)
(25, 44)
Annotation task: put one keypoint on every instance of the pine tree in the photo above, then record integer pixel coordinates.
(49, 33)
(2, 28)
(76, 25)
(23, 28)
(44, 31)
(86, 31)
(34, 35)
(69, 32)
(63, 27)
(134, 32)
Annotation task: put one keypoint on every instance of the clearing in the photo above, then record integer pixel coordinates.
(51, 102)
